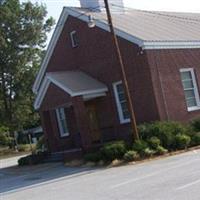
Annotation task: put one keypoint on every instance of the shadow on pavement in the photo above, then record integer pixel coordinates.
(16, 178)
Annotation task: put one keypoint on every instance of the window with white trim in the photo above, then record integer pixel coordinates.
(62, 123)
(74, 39)
(122, 105)
(190, 89)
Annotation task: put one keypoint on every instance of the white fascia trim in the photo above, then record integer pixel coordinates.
(92, 96)
(50, 49)
(89, 92)
(45, 85)
(60, 85)
(74, 94)
(171, 45)
(41, 94)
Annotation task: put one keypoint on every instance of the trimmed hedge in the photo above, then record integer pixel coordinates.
(114, 150)
(195, 139)
(143, 148)
(155, 139)
(32, 159)
(93, 157)
(139, 146)
(131, 156)
(182, 141)
(154, 142)
(195, 124)
(161, 150)
(108, 153)
(165, 131)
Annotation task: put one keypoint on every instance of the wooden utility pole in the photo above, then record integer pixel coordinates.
(124, 77)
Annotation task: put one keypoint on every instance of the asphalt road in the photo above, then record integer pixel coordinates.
(171, 178)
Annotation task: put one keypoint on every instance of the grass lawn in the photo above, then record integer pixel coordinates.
(5, 152)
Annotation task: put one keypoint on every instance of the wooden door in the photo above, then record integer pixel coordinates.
(93, 123)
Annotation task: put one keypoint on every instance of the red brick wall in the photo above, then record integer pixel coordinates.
(95, 56)
(165, 66)
(154, 98)
(54, 98)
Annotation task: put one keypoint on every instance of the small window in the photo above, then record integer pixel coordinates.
(190, 89)
(74, 39)
(121, 101)
(62, 123)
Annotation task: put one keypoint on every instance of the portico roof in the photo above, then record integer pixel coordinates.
(75, 83)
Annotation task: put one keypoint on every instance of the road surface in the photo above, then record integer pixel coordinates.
(171, 178)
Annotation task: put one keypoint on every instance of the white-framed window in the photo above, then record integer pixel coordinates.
(122, 105)
(74, 39)
(62, 123)
(190, 89)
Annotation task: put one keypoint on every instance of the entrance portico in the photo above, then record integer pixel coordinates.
(82, 91)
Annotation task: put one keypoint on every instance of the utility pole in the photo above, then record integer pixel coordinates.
(124, 77)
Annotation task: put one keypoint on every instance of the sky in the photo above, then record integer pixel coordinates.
(54, 7)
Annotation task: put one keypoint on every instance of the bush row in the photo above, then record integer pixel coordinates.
(119, 150)
(155, 139)
(172, 135)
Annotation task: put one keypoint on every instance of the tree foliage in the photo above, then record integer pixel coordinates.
(5, 139)
(23, 34)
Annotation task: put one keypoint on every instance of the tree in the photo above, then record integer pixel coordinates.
(23, 34)
(5, 139)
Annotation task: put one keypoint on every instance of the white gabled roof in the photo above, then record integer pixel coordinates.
(147, 29)
(75, 83)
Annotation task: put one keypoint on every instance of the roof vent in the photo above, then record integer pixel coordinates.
(98, 5)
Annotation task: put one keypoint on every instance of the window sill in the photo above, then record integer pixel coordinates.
(193, 109)
(64, 135)
(74, 46)
(126, 121)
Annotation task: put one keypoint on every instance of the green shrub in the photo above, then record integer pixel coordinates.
(182, 141)
(161, 150)
(142, 148)
(139, 146)
(5, 139)
(195, 139)
(93, 157)
(196, 125)
(165, 131)
(131, 156)
(154, 142)
(114, 150)
(148, 152)
(24, 161)
(145, 131)
(32, 159)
